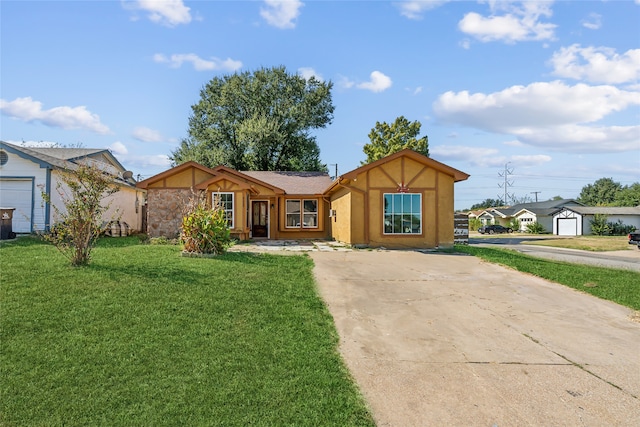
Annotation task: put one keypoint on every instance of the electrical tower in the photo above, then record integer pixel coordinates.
(506, 184)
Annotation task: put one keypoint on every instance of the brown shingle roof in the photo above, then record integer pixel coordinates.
(294, 182)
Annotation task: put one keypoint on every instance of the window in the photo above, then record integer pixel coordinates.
(302, 213)
(225, 201)
(403, 213)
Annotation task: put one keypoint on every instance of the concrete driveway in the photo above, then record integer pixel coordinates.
(439, 339)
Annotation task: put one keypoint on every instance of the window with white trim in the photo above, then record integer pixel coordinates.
(402, 213)
(225, 201)
(301, 213)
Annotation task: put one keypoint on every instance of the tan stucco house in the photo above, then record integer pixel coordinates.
(405, 200)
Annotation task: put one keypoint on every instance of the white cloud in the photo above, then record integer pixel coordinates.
(596, 64)
(151, 160)
(344, 82)
(594, 22)
(145, 134)
(551, 115)
(308, 72)
(378, 83)
(199, 64)
(28, 110)
(415, 9)
(281, 13)
(165, 12)
(118, 148)
(484, 157)
(520, 22)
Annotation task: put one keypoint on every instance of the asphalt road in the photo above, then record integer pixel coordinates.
(629, 259)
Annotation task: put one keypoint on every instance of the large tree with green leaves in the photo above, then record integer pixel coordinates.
(390, 138)
(258, 120)
(601, 192)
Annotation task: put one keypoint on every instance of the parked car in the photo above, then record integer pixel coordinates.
(492, 229)
(634, 239)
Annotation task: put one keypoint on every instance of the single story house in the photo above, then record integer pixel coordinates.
(404, 200)
(28, 172)
(258, 204)
(527, 213)
(576, 220)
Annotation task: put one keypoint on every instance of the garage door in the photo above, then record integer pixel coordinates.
(567, 226)
(18, 193)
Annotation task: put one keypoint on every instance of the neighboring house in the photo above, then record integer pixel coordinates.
(402, 201)
(27, 172)
(576, 220)
(527, 213)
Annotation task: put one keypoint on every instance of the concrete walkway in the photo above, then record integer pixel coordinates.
(438, 339)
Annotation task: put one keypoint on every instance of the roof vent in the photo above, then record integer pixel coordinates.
(4, 157)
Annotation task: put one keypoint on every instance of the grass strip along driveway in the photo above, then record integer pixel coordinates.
(143, 336)
(620, 286)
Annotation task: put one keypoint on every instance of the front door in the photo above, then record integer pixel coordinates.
(260, 222)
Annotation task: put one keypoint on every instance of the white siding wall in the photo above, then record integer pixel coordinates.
(31, 200)
(626, 220)
(526, 218)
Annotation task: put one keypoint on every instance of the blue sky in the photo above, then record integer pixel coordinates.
(549, 89)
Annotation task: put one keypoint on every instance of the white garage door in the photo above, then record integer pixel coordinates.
(567, 226)
(18, 193)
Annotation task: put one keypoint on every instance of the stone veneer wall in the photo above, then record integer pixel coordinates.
(164, 211)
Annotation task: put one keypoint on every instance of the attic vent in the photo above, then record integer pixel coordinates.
(4, 158)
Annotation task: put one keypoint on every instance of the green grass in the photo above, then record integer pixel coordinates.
(620, 286)
(143, 336)
(588, 243)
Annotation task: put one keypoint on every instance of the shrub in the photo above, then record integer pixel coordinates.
(474, 224)
(535, 228)
(599, 225)
(81, 188)
(204, 229)
(514, 224)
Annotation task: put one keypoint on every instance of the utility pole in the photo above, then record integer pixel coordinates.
(536, 193)
(506, 184)
(336, 165)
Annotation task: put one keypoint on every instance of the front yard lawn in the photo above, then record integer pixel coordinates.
(143, 336)
(620, 286)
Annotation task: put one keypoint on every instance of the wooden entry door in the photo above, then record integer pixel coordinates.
(260, 219)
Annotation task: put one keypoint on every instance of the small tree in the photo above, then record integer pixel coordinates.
(204, 230)
(388, 138)
(514, 224)
(82, 189)
(599, 225)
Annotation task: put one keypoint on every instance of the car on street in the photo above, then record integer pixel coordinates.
(494, 228)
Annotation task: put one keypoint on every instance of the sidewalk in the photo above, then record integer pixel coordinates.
(291, 246)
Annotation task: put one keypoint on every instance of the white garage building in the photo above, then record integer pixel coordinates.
(576, 220)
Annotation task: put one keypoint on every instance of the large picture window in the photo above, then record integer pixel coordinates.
(302, 213)
(225, 201)
(402, 213)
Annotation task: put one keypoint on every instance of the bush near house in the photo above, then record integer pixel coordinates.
(204, 230)
(601, 227)
(535, 228)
